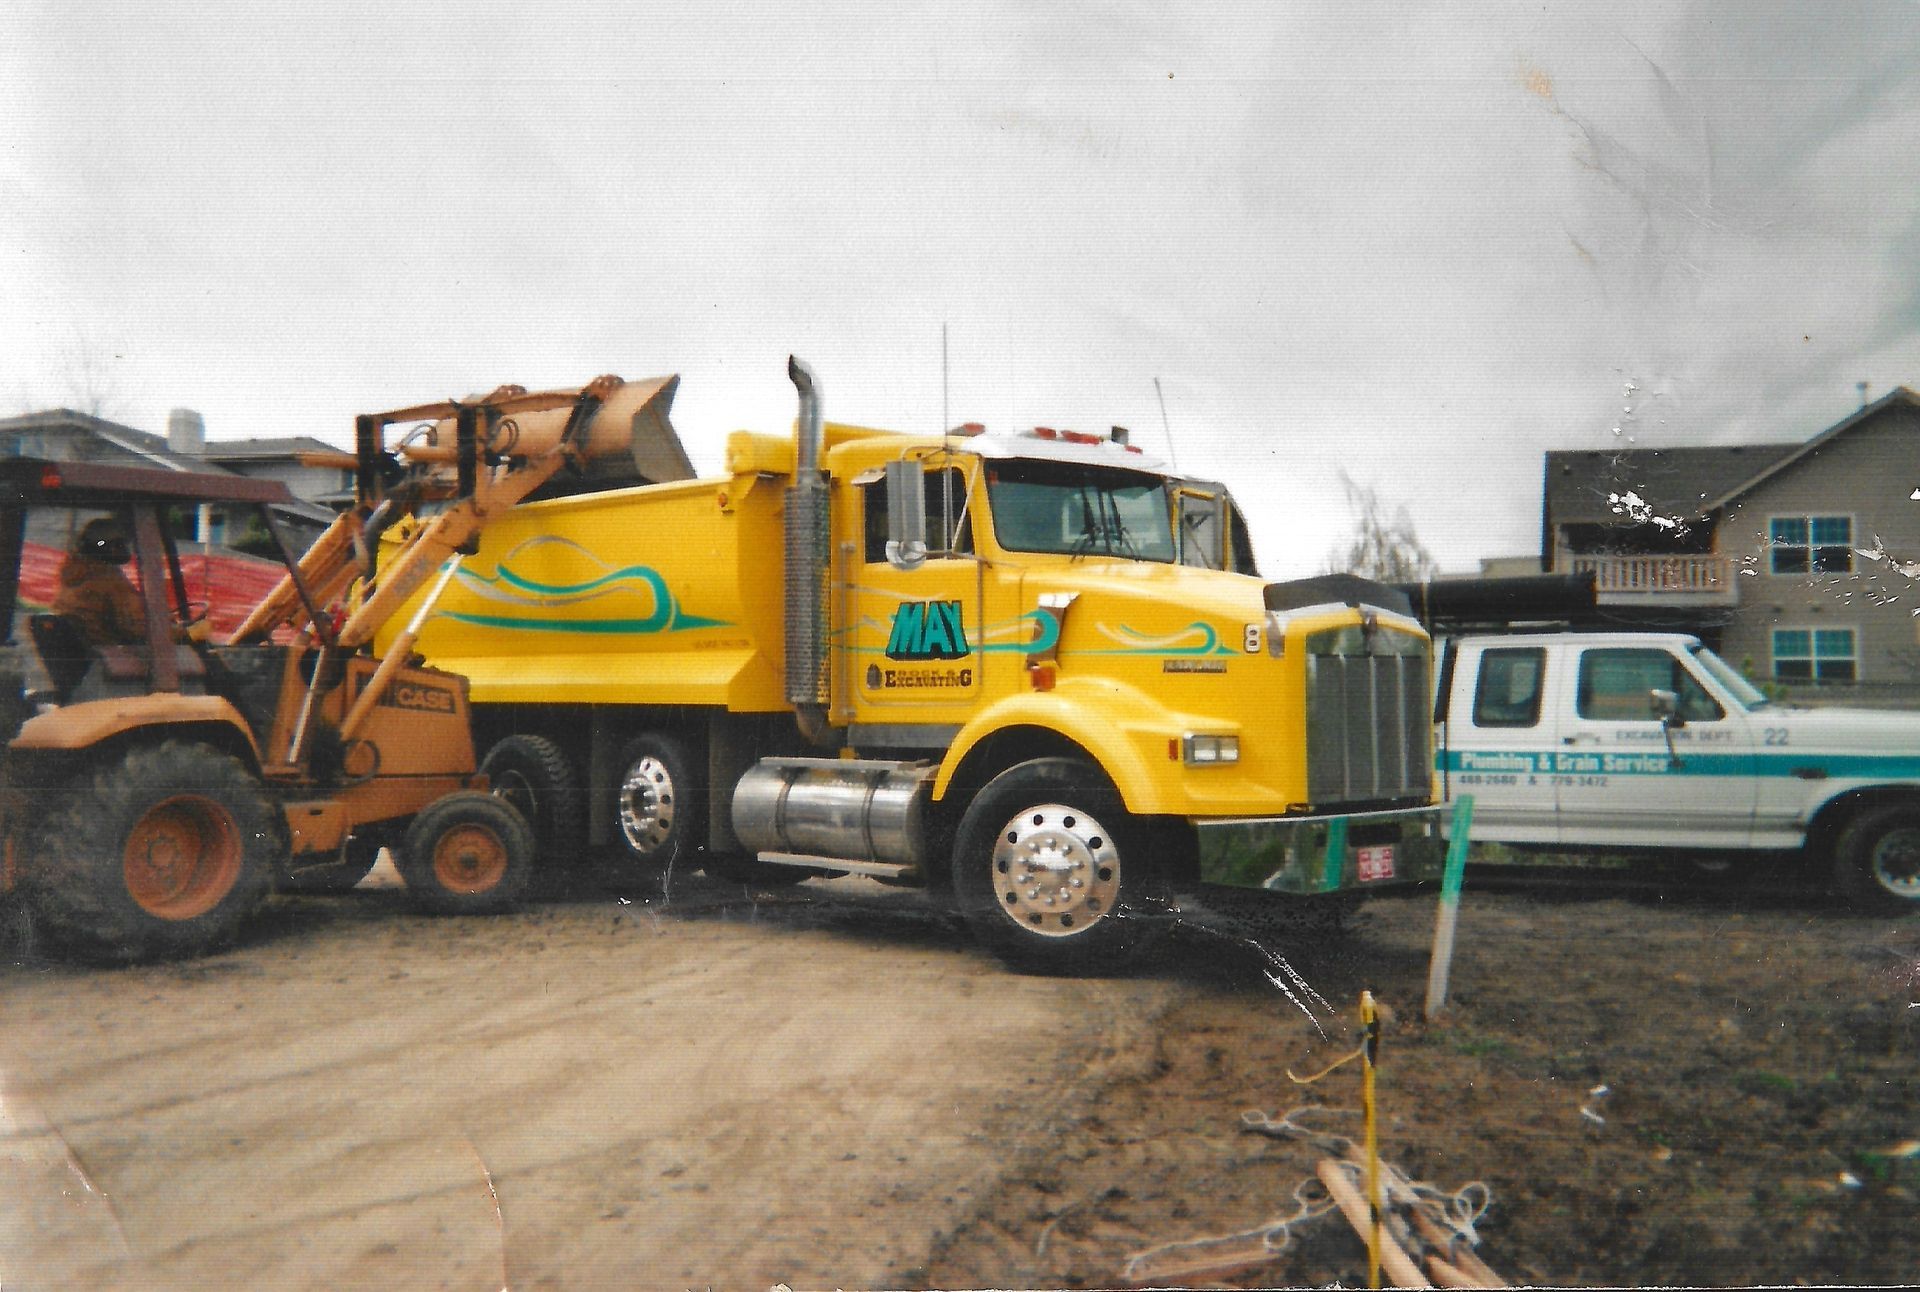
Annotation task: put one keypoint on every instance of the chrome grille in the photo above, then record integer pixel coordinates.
(1367, 728)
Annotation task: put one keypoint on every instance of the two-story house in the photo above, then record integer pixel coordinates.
(1799, 562)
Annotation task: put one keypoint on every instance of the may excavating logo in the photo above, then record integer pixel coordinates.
(928, 630)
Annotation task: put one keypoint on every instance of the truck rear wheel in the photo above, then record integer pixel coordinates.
(164, 852)
(534, 775)
(467, 854)
(657, 804)
(1877, 859)
(1052, 874)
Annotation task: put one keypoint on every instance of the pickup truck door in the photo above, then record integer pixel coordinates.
(1615, 780)
(1500, 740)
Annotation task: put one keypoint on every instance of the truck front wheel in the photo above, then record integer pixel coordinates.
(1877, 859)
(1050, 871)
(163, 852)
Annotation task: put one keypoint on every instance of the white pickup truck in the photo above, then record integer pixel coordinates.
(1649, 742)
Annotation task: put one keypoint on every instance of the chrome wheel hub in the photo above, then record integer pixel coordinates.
(646, 806)
(1056, 871)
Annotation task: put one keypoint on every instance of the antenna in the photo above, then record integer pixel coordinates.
(946, 445)
(1172, 460)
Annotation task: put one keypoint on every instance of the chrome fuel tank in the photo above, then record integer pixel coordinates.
(854, 809)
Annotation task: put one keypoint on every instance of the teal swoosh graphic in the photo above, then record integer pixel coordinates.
(1209, 644)
(645, 574)
(1049, 634)
(667, 619)
(520, 593)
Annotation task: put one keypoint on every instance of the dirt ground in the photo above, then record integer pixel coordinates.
(830, 1087)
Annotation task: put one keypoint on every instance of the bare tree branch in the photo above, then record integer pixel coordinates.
(1384, 547)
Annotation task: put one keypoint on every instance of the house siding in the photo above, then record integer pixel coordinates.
(1866, 473)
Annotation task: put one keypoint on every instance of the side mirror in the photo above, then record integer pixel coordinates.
(906, 515)
(1666, 707)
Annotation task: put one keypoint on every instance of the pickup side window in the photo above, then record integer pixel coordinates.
(1615, 684)
(1507, 692)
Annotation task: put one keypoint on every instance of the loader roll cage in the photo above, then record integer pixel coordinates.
(140, 497)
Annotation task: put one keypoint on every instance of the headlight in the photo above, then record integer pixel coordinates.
(1209, 751)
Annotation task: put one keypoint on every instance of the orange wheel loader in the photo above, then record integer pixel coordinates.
(157, 785)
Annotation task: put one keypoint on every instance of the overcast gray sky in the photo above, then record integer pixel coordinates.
(1420, 242)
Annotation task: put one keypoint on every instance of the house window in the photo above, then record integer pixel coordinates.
(1815, 655)
(1811, 544)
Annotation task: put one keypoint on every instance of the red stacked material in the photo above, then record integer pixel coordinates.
(227, 584)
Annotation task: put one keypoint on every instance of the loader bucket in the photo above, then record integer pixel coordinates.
(629, 440)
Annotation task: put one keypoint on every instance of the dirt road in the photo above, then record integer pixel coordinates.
(582, 1095)
(831, 1088)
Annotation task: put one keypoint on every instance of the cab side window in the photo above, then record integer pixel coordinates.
(1199, 534)
(946, 500)
(1616, 685)
(1507, 692)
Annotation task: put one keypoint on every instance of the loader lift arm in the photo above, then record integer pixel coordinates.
(504, 446)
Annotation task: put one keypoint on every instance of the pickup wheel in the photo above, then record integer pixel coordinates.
(466, 854)
(1052, 873)
(162, 852)
(535, 775)
(1877, 859)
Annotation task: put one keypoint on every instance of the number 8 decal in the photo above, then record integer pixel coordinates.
(1253, 639)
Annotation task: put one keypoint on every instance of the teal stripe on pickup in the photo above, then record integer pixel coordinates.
(1654, 762)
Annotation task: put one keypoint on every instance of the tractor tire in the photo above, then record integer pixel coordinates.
(1052, 873)
(1877, 859)
(535, 775)
(163, 852)
(358, 856)
(466, 854)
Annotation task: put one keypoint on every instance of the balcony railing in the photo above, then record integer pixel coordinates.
(1702, 579)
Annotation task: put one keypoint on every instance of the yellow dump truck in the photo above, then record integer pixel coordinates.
(1036, 668)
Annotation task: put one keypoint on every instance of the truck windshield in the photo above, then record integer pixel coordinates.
(1077, 510)
(1744, 692)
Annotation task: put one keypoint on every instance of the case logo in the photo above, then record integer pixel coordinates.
(928, 630)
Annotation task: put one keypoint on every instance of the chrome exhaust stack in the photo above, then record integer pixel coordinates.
(808, 556)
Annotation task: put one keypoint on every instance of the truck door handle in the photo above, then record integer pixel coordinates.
(1579, 740)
